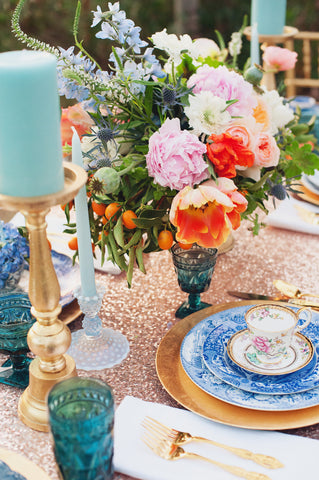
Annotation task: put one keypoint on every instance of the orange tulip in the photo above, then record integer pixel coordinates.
(205, 215)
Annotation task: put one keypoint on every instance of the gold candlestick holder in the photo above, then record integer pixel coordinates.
(49, 338)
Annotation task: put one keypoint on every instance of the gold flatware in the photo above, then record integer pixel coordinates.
(292, 291)
(307, 215)
(180, 438)
(167, 450)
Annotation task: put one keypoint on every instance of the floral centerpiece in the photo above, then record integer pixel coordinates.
(179, 146)
(13, 253)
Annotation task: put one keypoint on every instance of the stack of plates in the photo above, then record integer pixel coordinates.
(219, 382)
(309, 186)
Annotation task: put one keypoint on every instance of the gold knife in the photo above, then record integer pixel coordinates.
(257, 296)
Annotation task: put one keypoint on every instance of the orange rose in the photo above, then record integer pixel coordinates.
(75, 117)
(207, 214)
(226, 151)
(267, 152)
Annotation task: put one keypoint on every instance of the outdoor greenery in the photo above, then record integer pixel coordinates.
(52, 21)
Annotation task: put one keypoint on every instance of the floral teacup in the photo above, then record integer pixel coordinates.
(271, 329)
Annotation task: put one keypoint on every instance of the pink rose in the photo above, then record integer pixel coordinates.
(266, 151)
(280, 59)
(243, 132)
(175, 157)
(225, 84)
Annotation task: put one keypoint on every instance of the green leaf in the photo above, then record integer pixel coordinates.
(129, 275)
(139, 257)
(147, 222)
(119, 233)
(135, 239)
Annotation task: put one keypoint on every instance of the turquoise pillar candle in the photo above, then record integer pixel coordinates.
(270, 16)
(88, 287)
(30, 138)
(254, 46)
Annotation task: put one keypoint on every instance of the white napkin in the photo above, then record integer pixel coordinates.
(59, 240)
(131, 457)
(286, 216)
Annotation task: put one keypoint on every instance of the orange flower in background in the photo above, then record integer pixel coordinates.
(207, 214)
(75, 117)
(226, 151)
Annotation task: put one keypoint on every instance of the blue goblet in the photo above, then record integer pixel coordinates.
(81, 415)
(15, 322)
(194, 269)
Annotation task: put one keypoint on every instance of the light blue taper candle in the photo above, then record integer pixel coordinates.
(30, 135)
(254, 45)
(270, 15)
(83, 227)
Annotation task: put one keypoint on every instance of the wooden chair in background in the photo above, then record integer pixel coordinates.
(305, 76)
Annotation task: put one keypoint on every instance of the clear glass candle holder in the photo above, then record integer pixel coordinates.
(81, 416)
(194, 269)
(94, 347)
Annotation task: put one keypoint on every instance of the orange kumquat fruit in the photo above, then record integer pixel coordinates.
(98, 208)
(185, 246)
(128, 219)
(111, 210)
(73, 243)
(165, 240)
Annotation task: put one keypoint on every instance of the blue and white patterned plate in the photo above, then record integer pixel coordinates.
(67, 273)
(218, 362)
(195, 368)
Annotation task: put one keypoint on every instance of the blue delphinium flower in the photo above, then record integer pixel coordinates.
(13, 251)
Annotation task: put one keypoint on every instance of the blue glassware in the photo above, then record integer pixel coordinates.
(194, 269)
(15, 322)
(81, 414)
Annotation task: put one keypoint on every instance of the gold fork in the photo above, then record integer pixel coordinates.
(164, 448)
(180, 438)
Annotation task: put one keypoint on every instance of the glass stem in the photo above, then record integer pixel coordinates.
(19, 362)
(194, 300)
(92, 326)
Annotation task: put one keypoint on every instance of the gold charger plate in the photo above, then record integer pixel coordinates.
(24, 466)
(307, 195)
(70, 312)
(177, 383)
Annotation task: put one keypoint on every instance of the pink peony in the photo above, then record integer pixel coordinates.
(279, 58)
(266, 151)
(175, 157)
(262, 344)
(225, 84)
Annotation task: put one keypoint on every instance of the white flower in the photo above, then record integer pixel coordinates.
(235, 44)
(207, 113)
(173, 45)
(279, 113)
(205, 47)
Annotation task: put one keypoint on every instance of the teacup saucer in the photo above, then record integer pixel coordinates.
(242, 352)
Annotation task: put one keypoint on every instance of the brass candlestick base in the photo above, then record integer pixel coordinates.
(49, 338)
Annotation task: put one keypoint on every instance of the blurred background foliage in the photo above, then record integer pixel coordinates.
(51, 21)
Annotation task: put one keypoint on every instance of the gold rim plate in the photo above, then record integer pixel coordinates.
(70, 312)
(24, 466)
(179, 386)
(274, 372)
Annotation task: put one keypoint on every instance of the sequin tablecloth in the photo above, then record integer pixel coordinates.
(146, 312)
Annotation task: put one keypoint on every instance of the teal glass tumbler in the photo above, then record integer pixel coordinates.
(194, 269)
(81, 415)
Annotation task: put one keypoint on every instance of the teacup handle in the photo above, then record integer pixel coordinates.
(308, 320)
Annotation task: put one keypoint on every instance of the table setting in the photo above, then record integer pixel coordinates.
(164, 323)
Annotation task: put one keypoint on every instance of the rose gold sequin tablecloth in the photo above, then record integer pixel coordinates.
(146, 312)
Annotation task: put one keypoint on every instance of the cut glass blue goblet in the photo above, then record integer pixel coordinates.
(15, 322)
(194, 269)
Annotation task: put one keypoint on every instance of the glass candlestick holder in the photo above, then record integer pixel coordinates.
(194, 269)
(94, 347)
